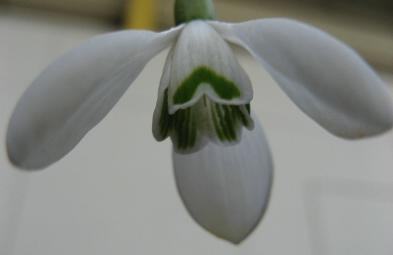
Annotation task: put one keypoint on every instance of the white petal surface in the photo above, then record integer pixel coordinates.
(226, 189)
(323, 76)
(199, 45)
(75, 92)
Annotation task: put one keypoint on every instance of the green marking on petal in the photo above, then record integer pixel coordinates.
(216, 125)
(227, 124)
(188, 126)
(181, 125)
(184, 130)
(165, 118)
(221, 124)
(192, 128)
(243, 113)
(227, 121)
(223, 87)
(248, 107)
(230, 122)
(225, 127)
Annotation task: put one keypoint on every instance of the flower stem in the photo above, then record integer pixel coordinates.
(188, 10)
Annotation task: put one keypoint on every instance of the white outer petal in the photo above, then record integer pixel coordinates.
(200, 45)
(75, 92)
(226, 188)
(325, 78)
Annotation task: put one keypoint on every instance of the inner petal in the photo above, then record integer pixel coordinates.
(204, 64)
(191, 128)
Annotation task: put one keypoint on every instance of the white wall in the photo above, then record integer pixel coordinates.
(115, 193)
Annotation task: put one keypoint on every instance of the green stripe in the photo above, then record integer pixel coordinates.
(176, 129)
(216, 124)
(224, 88)
(221, 124)
(165, 118)
(191, 130)
(229, 123)
(226, 125)
(186, 125)
(226, 121)
(184, 129)
(241, 116)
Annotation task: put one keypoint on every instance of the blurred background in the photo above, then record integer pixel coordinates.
(330, 196)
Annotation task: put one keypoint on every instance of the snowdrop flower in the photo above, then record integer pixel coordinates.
(221, 159)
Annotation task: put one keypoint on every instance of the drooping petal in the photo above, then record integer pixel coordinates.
(204, 64)
(226, 188)
(325, 78)
(75, 92)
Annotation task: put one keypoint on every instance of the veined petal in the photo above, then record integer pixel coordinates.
(204, 64)
(161, 118)
(325, 78)
(193, 127)
(75, 92)
(226, 189)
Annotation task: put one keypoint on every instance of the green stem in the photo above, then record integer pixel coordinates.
(188, 10)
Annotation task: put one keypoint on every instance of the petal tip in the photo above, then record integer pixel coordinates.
(235, 240)
(18, 156)
(20, 164)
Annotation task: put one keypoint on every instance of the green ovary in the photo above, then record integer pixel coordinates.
(188, 10)
(223, 87)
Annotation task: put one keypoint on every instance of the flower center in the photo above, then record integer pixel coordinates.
(204, 93)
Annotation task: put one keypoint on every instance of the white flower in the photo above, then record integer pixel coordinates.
(221, 158)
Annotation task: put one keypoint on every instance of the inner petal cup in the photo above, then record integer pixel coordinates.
(204, 93)
(204, 64)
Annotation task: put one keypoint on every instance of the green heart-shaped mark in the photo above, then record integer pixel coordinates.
(224, 88)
